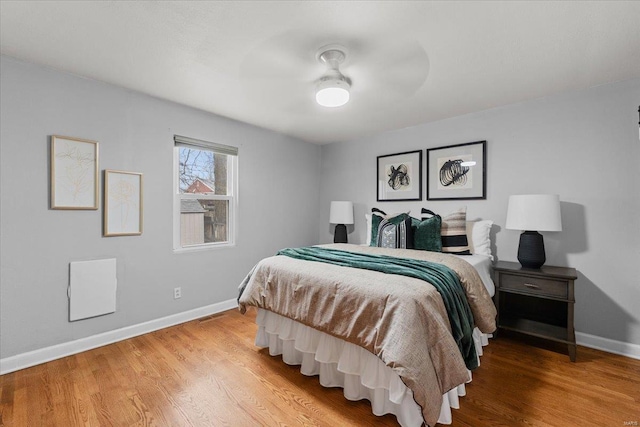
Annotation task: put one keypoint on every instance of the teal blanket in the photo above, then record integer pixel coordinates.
(444, 279)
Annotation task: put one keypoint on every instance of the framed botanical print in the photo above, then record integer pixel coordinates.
(122, 203)
(457, 172)
(74, 173)
(399, 176)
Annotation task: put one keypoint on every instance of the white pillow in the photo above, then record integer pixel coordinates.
(478, 234)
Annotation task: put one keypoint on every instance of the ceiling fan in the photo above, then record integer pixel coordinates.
(297, 71)
(333, 87)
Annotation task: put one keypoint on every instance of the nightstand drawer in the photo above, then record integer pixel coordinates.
(534, 285)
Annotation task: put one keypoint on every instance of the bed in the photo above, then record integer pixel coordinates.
(383, 337)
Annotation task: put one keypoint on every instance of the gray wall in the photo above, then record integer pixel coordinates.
(135, 133)
(583, 146)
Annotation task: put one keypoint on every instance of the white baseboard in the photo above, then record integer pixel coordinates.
(36, 357)
(610, 346)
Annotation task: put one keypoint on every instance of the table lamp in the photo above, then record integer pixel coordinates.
(532, 213)
(341, 213)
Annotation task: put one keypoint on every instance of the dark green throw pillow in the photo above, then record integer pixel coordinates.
(377, 216)
(426, 233)
(398, 228)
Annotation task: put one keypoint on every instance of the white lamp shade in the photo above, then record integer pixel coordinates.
(534, 212)
(341, 213)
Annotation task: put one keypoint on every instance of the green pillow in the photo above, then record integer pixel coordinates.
(426, 234)
(377, 216)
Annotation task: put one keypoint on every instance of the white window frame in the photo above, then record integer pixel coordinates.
(231, 196)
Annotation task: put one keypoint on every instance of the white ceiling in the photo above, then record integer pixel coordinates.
(409, 62)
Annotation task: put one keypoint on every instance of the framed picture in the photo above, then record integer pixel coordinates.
(457, 172)
(122, 203)
(74, 173)
(399, 176)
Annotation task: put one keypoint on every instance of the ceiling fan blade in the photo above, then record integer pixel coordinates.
(288, 56)
(279, 93)
(401, 66)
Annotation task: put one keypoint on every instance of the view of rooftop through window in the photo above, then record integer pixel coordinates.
(204, 219)
(202, 171)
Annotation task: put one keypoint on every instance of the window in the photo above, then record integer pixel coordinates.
(205, 193)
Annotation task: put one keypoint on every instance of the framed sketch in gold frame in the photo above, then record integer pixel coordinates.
(122, 203)
(74, 173)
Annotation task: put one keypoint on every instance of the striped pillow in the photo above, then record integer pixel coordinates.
(395, 233)
(391, 231)
(454, 232)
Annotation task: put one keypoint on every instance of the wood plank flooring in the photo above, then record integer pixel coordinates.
(209, 373)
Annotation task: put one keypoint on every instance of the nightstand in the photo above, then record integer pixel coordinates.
(537, 302)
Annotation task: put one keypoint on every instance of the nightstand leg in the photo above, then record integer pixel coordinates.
(571, 336)
(572, 352)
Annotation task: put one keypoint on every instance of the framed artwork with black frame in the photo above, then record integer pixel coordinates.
(399, 177)
(457, 171)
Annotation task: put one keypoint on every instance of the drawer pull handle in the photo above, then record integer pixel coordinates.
(531, 286)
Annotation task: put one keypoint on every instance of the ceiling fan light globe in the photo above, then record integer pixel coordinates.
(332, 93)
(332, 97)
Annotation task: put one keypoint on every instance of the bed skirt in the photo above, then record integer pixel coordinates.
(361, 374)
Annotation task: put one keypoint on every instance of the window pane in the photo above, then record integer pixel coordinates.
(202, 171)
(203, 221)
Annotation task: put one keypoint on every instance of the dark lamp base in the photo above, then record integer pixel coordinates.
(340, 235)
(531, 250)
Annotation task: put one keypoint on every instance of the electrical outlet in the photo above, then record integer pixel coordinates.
(177, 293)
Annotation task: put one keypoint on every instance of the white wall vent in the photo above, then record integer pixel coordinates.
(92, 288)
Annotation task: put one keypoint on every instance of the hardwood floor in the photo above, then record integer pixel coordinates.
(209, 373)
